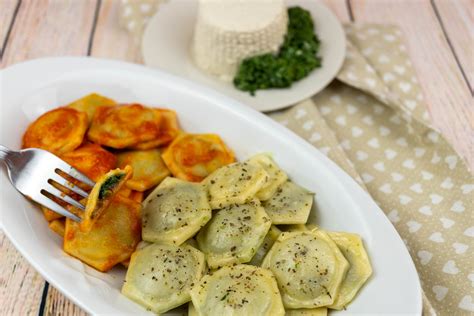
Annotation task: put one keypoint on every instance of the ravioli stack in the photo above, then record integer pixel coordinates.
(243, 263)
(229, 237)
(87, 134)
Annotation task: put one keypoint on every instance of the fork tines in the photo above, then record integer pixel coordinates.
(65, 187)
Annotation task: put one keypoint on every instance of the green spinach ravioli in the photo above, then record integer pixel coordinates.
(174, 211)
(234, 234)
(238, 290)
(160, 277)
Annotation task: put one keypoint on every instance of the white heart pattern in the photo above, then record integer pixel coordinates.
(405, 86)
(389, 38)
(356, 131)
(402, 142)
(300, 113)
(341, 120)
(426, 209)
(447, 183)
(370, 82)
(471, 278)
(315, 137)
(469, 232)
(409, 164)
(450, 267)
(397, 177)
(361, 155)
(435, 198)
(399, 69)
(458, 207)
(440, 292)
(426, 175)
(390, 154)
(436, 158)
(404, 199)
(433, 136)
(413, 226)
(425, 256)
(351, 109)
(388, 76)
(416, 188)
(446, 222)
(380, 166)
(410, 104)
(460, 248)
(466, 303)
(386, 188)
(451, 161)
(308, 125)
(419, 151)
(368, 120)
(367, 178)
(325, 110)
(346, 144)
(393, 216)
(351, 76)
(374, 143)
(335, 98)
(467, 188)
(437, 237)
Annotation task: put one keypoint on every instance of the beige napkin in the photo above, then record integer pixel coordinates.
(372, 122)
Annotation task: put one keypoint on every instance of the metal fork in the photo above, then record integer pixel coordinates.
(36, 173)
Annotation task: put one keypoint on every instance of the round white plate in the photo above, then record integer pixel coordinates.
(167, 39)
(32, 88)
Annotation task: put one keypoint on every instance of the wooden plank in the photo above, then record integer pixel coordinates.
(50, 28)
(7, 13)
(21, 287)
(340, 8)
(43, 28)
(57, 304)
(458, 21)
(446, 93)
(112, 41)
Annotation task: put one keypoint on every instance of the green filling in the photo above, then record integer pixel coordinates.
(108, 186)
(294, 61)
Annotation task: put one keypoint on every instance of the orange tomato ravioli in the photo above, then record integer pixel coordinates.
(124, 125)
(89, 104)
(92, 160)
(58, 131)
(102, 195)
(192, 157)
(169, 129)
(58, 226)
(148, 168)
(111, 240)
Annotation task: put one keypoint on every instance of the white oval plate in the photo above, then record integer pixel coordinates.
(168, 35)
(33, 87)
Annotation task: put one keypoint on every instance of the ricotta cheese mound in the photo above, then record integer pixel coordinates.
(228, 31)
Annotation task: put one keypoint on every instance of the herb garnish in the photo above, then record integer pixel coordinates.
(294, 61)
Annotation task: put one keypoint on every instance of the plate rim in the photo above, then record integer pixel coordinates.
(148, 60)
(65, 63)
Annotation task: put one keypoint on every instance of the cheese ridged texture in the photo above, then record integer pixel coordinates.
(227, 32)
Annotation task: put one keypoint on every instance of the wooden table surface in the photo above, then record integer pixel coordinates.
(439, 36)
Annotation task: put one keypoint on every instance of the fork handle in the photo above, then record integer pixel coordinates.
(4, 151)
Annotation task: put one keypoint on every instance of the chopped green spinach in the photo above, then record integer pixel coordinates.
(109, 185)
(296, 58)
